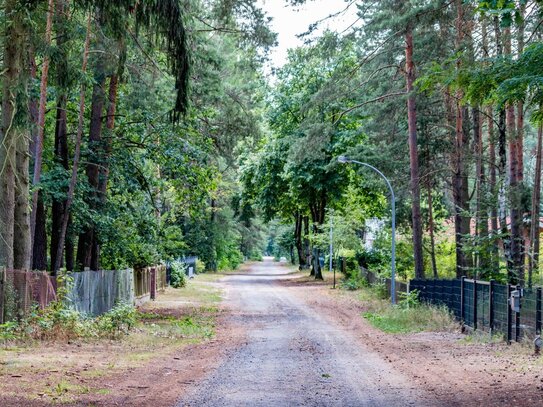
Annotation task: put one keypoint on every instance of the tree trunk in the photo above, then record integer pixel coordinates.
(520, 151)
(413, 155)
(87, 245)
(483, 257)
(38, 155)
(298, 227)
(431, 230)
(307, 252)
(516, 269)
(494, 231)
(39, 255)
(58, 208)
(460, 188)
(77, 153)
(533, 260)
(14, 142)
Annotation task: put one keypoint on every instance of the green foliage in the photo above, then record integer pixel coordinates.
(178, 274)
(200, 266)
(61, 323)
(117, 322)
(409, 300)
(8, 331)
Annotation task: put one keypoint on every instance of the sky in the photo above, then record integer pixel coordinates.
(289, 21)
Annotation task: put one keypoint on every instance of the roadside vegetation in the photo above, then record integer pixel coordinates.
(58, 355)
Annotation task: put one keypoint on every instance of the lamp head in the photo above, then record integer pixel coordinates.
(343, 159)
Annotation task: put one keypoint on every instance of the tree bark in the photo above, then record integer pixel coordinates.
(460, 196)
(39, 255)
(87, 246)
(38, 155)
(413, 155)
(298, 228)
(307, 252)
(494, 230)
(77, 153)
(431, 230)
(14, 142)
(58, 208)
(533, 260)
(516, 270)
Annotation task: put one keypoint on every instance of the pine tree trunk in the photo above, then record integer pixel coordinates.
(58, 208)
(460, 187)
(38, 155)
(15, 248)
(516, 270)
(413, 155)
(39, 255)
(494, 231)
(87, 250)
(431, 229)
(533, 261)
(77, 153)
(520, 152)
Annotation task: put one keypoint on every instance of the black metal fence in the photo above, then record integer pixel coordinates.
(484, 305)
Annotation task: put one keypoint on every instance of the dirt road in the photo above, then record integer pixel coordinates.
(293, 356)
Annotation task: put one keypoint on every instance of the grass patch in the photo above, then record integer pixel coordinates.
(409, 316)
(422, 318)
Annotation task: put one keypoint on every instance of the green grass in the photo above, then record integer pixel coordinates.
(401, 319)
(422, 318)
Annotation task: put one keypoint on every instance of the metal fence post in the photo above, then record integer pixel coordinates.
(462, 297)
(491, 305)
(509, 316)
(517, 321)
(474, 304)
(538, 311)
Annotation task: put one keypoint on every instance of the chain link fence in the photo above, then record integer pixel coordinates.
(484, 305)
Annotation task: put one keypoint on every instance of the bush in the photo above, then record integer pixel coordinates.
(200, 267)
(178, 277)
(57, 322)
(352, 283)
(118, 321)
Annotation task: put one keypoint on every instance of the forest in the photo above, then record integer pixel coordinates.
(134, 132)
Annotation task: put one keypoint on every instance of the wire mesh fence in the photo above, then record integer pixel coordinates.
(89, 292)
(485, 305)
(20, 290)
(96, 292)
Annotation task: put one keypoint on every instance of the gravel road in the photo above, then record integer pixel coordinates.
(293, 356)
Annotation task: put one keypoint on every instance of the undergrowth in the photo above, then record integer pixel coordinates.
(58, 322)
(408, 316)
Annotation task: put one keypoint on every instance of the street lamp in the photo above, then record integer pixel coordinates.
(342, 159)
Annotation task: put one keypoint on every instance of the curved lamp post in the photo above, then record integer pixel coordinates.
(342, 159)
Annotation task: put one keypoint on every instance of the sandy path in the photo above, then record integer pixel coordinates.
(295, 357)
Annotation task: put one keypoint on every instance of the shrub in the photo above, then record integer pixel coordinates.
(351, 284)
(178, 277)
(57, 322)
(118, 321)
(200, 266)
